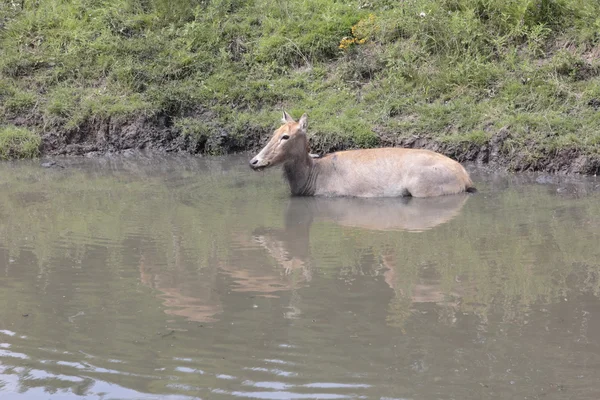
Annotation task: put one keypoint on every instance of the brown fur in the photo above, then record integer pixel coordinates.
(382, 172)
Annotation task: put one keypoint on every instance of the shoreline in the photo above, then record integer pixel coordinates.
(146, 135)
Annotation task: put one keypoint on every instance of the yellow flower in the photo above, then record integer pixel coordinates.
(362, 31)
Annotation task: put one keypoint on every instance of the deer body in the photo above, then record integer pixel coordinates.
(383, 172)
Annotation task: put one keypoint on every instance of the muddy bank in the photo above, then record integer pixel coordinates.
(160, 135)
(156, 133)
(496, 154)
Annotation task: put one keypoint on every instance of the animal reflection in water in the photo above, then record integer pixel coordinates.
(182, 295)
(289, 248)
(196, 297)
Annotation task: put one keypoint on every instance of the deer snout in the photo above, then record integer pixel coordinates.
(258, 163)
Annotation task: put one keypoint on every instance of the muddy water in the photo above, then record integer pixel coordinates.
(185, 278)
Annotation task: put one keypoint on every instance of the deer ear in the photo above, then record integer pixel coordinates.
(287, 118)
(303, 122)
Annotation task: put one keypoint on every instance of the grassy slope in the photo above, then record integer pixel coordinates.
(366, 72)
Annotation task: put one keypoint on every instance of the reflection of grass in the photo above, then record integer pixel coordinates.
(399, 312)
(492, 257)
(77, 237)
(87, 205)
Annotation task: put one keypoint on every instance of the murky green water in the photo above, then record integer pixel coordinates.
(184, 278)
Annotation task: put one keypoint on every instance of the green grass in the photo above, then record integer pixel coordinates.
(452, 70)
(18, 142)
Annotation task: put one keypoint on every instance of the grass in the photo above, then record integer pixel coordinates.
(452, 70)
(18, 142)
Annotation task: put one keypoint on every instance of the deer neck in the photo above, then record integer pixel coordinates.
(301, 174)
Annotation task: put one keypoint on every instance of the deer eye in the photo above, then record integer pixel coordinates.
(285, 137)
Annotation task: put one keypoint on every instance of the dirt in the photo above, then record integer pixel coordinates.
(97, 137)
(495, 154)
(100, 137)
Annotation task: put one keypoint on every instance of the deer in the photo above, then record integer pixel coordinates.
(375, 172)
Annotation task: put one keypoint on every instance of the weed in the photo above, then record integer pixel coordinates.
(18, 142)
(445, 69)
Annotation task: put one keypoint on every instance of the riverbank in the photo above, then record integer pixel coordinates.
(151, 135)
(513, 84)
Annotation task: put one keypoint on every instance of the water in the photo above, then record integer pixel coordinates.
(188, 278)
